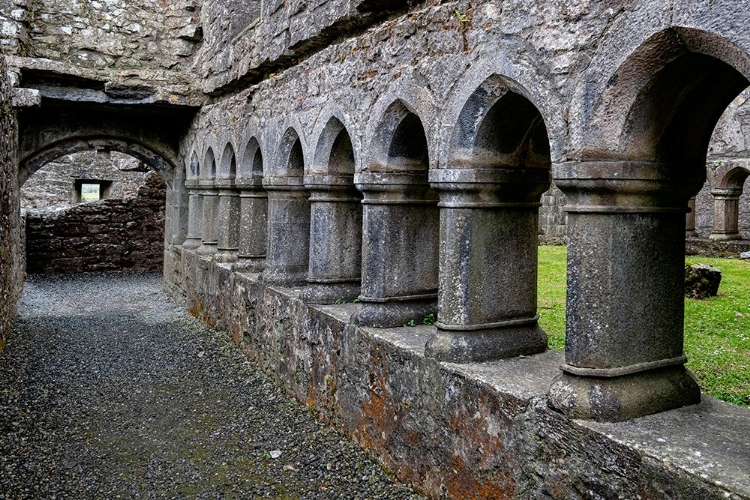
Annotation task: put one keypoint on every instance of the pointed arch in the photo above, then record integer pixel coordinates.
(400, 142)
(499, 127)
(334, 153)
(209, 165)
(228, 165)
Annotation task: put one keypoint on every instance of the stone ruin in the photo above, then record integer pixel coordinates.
(336, 170)
(123, 229)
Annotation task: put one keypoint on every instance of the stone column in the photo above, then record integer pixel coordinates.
(690, 220)
(399, 249)
(726, 214)
(209, 241)
(228, 220)
(195, 215)
(253, 224)
(335, 239)
(487, 299)
(626, 258)
(288, 236)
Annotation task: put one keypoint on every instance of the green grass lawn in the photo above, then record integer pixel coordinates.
(717, 330)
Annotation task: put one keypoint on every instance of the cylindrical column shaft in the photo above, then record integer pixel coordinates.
(726, 214)
(399, 249)
(487, 305)
(253, 226)
(288, 234)
(690, 220)
(335, 239)
(195, 217)
(228, 219)
(209, 240)
(624, 332)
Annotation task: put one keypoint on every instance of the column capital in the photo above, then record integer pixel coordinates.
(626, 186)
(395, 188)
(283, 183)
(492, 187)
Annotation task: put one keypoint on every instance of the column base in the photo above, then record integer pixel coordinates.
(191, 243)
(284, 277)
(623, 398)
(207, 249)
(395, 313)
(226, 255)
(249, 264)
(331, 293)
(467, 346)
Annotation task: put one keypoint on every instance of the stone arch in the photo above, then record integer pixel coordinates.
(405, 107)
(644, 156)
(726, 204)
(288, 235)
(194, 166)
(209, 165)
(253, 207)
(508, 69)
(157, 160)
(335, 218)
(664, 100)
(499, 127)
(252, 160)
(734, 179)
(332, 119)
(290, 155)
(228, 164)
(400, 143)
(334, 151)
(401, 220)
(497, 169)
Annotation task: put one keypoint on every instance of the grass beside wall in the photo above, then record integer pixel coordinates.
(717, 330)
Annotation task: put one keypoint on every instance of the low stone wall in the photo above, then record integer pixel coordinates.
(103, 235)
(480, 430)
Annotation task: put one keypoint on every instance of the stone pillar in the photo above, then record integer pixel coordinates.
(335, 239)
(399, 249)
(690, 219)
(288, 236)
(195, 215)
(209, 240)
(253, 224)
(487, 300)
(626, 257)
(726, 214)
(228, 220)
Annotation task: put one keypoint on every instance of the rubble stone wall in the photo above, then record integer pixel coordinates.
(119, 35)
(54, 183)
(11, 264)
(114, 234)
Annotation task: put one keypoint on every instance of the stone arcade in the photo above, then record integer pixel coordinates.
(338, 169)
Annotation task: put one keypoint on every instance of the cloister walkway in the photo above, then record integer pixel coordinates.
(108, 389)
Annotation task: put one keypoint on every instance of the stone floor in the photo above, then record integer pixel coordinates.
(109, 390)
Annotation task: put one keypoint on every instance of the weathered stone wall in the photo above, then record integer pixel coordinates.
(54, 184)
(11, 280)
(14, 35)
(118, 35)
(247, 41)
(461, 431)
(552, 219)
(104, 235)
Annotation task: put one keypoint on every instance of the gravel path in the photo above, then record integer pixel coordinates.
(109, 390)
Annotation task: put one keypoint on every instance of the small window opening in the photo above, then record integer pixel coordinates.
(88, 190)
